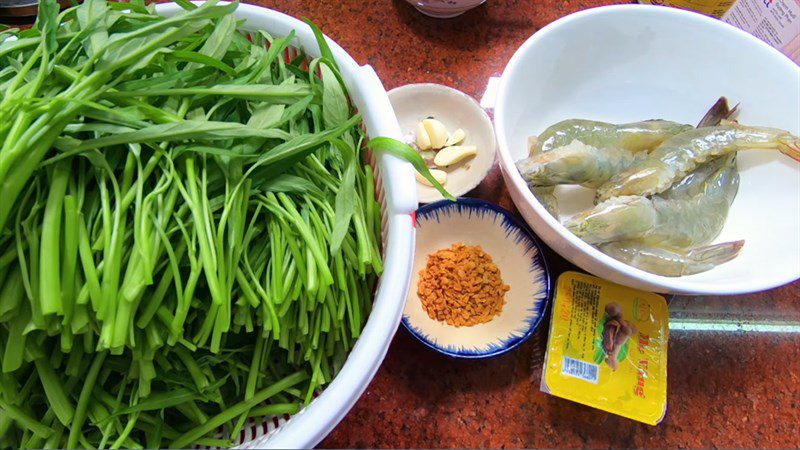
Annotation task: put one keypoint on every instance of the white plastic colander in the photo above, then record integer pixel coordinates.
(396, 191)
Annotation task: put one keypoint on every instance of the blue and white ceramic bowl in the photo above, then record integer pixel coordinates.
(516, 253)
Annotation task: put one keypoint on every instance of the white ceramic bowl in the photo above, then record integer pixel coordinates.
(414, 102)
(515, 252)
(634, 62)
(396, 192)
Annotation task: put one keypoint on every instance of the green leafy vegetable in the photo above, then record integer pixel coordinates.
(187, 228)
(407, 153)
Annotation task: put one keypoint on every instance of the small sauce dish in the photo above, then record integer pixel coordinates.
(515, 252)
(413, 103)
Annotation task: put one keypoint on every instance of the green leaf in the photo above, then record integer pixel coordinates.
(124, 49)
(277, 160)
(217, 44)
(91, 14)
(266, 115)
(99, 127)
(139, 51)
(285, 183)
(205, 150)
(335, 108)
(168, 80)
(199, 58)
(294, 111)
(345, 203)
(324, 49)
(186, 4)
(265, 92)
(403, 151)
(47, 23)
(139, 6)
(179, 131)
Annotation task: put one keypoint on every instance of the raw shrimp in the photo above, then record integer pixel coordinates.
(694, 183)
(679, 155)
(576, 163)
(684, 222)
(634, 136)
(671, 263)
(580, 163)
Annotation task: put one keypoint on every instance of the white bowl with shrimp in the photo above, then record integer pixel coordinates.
(634, 62)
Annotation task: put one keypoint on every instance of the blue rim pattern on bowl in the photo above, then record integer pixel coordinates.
(521, 233)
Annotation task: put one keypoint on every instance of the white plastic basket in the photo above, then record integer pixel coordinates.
(396, 191)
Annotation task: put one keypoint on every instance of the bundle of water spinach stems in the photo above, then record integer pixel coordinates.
(188, 235)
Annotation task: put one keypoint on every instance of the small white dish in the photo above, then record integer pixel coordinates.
(414, 102)
(632, 62)
(515, 252)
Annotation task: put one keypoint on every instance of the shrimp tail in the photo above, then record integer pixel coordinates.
(718, 112)
(791, 148)
(716, 253)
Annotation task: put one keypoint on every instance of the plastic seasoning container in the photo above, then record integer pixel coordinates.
(607, 348)
(714, 8)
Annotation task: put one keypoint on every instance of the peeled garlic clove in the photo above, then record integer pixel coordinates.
(438, 175)
(451, 155)
(436, 132)
(455, 138)
(423, 141)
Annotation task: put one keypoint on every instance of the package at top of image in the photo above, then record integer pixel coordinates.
(607, 348)
(714, 8)
(776, 22)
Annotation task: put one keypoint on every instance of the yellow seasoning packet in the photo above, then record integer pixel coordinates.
(608, 348)
(715, 8)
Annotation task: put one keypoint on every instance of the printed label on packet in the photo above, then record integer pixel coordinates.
(776, 22)
(607, 348)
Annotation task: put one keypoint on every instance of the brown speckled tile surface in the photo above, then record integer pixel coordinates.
(726, 389)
